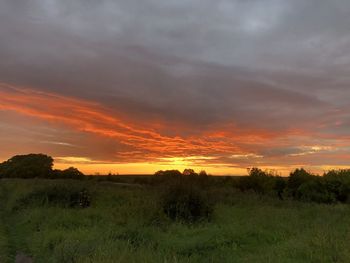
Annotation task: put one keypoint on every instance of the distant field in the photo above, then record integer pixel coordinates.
(125, 224)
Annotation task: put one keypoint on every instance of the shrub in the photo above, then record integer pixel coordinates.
(279, 186)
(58, 196)
(184, 201)
(338, 183)
(188, 175)
(340, 190)
(258, 180)
(343, 174)
(315, 190)
(164, 177)
(189, 172)
(70, 173)
(203, 174)
(296, 179)
(168, 173)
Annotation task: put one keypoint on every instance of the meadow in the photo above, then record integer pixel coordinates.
(124, 222)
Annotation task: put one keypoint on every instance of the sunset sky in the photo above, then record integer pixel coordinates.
(127, 86)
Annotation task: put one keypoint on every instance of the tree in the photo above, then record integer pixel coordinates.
(70, 173)
(189, 172)
(297, 178)
(203, 173)
(168, 173)
(259, 181)
(257, 172)
(27, 166)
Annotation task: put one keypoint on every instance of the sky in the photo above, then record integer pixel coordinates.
(127, 86)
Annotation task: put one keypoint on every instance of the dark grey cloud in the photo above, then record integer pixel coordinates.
(260, 64)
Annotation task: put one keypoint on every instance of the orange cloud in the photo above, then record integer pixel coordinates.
(91, 117)
(226, 146)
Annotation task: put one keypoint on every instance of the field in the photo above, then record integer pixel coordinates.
(125, 223)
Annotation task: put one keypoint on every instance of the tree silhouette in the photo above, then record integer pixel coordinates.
(35, 165)
(189, 172)
(70, 173)
(27, 166)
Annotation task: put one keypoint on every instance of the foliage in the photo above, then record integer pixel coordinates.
(70, 173)
(258, 181)
(203, 173)
(279, 186)
(65, 196)
(35, 166)
(184, 201)
(168, 173)
(200, 179)
(189, 172)
(27, 166)
(333, 187)
(118, 227)
(314, 190)
(338, 183)
(296, 179)
(130, 223)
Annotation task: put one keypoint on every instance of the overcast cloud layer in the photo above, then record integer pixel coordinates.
(266, 80)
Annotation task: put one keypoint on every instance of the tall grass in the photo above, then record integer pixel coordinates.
(126, 224)
(4, 242)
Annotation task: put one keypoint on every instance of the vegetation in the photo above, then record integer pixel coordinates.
(172, 216)
(185, 201)
(63, 196)
(27, 166)
(70, 173)
(35, 166)
(128, 224)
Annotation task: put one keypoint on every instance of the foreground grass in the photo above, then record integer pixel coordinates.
(4, 241)
(125, 224)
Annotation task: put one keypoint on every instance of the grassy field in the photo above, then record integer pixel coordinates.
(126, 224)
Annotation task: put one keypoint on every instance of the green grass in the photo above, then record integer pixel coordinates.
(125, 224)
(4, 249)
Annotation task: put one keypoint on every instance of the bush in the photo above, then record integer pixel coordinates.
(185, 202)
(296, 179)
(203, 173)
(57, 196)
(338, 183)
(258, 180)
(189, 175)
(168, 173)
(189, 172)
(315, 190)
(70, 173)
(280, 186)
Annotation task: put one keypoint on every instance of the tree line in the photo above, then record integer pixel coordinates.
(331, 187)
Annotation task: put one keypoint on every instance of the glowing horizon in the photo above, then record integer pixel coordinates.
(146, 150)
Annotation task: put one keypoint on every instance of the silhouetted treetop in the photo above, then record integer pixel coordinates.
(189, 172)
(27, 166)
(168, 173)
(35, 165)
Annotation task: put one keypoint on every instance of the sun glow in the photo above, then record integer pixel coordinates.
(97, 139)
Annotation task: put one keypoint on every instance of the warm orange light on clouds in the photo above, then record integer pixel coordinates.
(132, 86)
(121, 145)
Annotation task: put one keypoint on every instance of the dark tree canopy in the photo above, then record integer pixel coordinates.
(71, 172)
(189, 172)
(27, 166)
(35, 165)
(168, 173)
